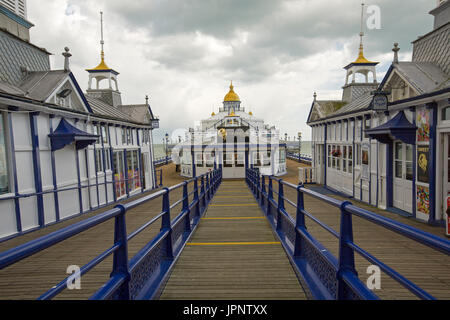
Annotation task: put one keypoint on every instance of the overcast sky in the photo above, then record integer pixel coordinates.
(183, 53)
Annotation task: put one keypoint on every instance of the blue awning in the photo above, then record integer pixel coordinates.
(398, 128)
(66, 134)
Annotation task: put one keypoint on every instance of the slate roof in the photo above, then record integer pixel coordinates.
(17, 53)
(434, 47)
(40, 85)
(425, 77)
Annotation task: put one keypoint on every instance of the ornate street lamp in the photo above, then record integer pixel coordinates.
(299, 145)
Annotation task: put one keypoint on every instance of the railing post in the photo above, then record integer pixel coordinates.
(269, 198)
(299, 222)
(202, 192)
(208, 195)
(257, 186)
(160, 178)
(280, 203)
(186, 206)
(263, 190)
(120, 260)
(346, 254)
(166, 224)
(196, 199)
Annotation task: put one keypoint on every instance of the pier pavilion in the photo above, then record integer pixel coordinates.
(387, 144)
(63, 152)
(232, 139)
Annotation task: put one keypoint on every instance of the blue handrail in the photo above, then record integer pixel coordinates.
(162, 161)
(299, 158)
(313, 262)
(126, 281)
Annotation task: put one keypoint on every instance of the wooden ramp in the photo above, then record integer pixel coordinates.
(233, 254)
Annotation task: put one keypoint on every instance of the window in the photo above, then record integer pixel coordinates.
(119, 177)
(367, 125)
(446, 114)
(105, 134)
(107, 159)
(124, 136)
(344, 159)
(350, 159)
(4, 176)
(329, 156)
(129, 137)
(99, 160)
(133, 170)
(199, 159)
(239, 159)
(97, 132)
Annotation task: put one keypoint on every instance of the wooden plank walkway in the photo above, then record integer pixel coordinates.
(233, 254)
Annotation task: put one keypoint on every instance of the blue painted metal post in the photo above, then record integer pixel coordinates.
(202, 192)
(120, 262)
(346, 254)
(257, 184)
(186, 207)
(196, 200)
(269, 198)
(280, 203)
(207, 196)
(37, 167)
(263, 190)
(299, 222)
(166, 224)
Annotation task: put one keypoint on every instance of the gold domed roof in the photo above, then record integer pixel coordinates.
(361, 58)
(102, 65)
(231, 96)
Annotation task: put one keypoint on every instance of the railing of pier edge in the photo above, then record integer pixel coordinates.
(141, 276)
(321, 273)
(162, 161)
(296, 157)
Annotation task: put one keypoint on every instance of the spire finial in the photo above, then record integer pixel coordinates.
(66, 55)
(231, 85)
(102, 42)
(315, 96)
(146, 99)
(361, 33)
(396, 49)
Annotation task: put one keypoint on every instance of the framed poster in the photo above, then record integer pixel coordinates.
(423, 199)
(423, 124)
(423, 156)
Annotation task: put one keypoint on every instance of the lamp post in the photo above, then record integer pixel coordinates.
(299, 145)
(167, 148)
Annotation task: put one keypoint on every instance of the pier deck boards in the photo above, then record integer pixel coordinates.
(233, 254)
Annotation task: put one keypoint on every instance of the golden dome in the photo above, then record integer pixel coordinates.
(250, 113)
(231, 96)
(102, 65)
(361, 58)
(213, 114)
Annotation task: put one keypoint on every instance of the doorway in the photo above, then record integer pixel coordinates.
(403, 176)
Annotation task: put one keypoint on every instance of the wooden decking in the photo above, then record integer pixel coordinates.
(233, 254)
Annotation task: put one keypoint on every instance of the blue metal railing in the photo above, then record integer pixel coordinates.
(299, 158)
(162, 161)
(127, 280)
(326, 276)
(159, 177)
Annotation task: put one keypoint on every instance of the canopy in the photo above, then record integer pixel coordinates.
(398, 128)
(66, 134)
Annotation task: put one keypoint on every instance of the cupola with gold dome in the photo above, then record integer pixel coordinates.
(103, 72)
(231, 102)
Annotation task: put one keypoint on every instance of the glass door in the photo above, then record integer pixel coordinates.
(403, 176)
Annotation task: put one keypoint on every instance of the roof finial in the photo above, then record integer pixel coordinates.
(66, 55)
(361, 33)
(102, 42)
(396, 49)
(146, 99)
(315, 96)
